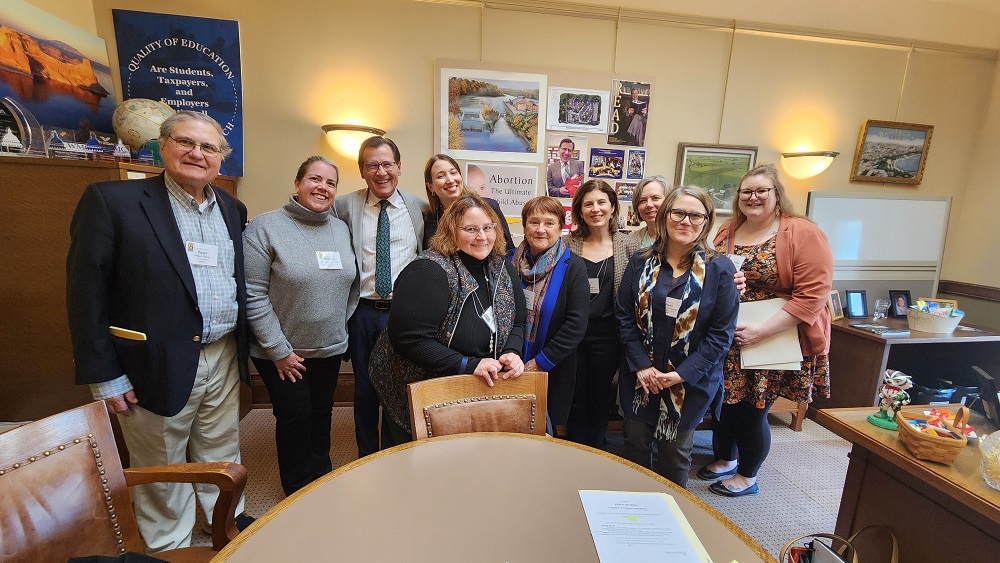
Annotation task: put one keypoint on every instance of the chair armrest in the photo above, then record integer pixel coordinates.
(231, 478)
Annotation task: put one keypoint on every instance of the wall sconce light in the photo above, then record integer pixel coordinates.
(807, 164)
(350, 127)
(349, 137)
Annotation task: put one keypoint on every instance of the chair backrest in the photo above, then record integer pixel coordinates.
(62, 490)
(459, 404)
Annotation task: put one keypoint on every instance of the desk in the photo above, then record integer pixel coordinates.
(472, 497)
(923, 502)
(858, 359)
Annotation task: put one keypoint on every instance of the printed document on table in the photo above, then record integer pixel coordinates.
(780, 351)
(629, 527)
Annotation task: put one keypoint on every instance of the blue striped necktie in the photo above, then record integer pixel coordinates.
(383, 260)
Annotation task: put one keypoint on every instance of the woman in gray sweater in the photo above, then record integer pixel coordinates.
(300, 273)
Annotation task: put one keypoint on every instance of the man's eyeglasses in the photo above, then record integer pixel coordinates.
(678, 215)
(373, 167)
(761, 193)
(207, 149)
(486, 229)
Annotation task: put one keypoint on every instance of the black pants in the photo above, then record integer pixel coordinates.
(673, 459)
(742, 428)
(364, 327)
(597, 359)
(302, 412)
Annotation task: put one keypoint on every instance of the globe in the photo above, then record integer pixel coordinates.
(138, 120)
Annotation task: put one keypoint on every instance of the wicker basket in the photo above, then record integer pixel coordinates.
(941, 449)
(926, 322)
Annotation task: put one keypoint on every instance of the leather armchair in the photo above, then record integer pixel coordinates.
(63, 492)
(460, 404)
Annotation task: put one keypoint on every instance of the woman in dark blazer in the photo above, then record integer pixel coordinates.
(676, 310)
(557, 293)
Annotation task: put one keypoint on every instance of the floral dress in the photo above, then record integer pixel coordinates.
(763, 386)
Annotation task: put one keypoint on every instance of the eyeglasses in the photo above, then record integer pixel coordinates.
(474, 230)
(207, 149)
(761, 193)
(678, 215)
(373, 167)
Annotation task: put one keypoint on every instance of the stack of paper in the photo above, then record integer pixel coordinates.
(781, 351)
(629, 527)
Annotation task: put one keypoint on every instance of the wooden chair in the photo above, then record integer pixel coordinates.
(63, 492)
(465, 403)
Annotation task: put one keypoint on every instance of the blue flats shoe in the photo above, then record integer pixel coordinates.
(708, 475)
(720, 489)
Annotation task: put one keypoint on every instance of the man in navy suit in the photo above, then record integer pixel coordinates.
(157, 312)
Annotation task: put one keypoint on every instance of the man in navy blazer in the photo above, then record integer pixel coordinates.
(157, 312)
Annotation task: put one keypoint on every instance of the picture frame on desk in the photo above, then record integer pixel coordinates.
(899, 302)
(856, 304)
(834, 305)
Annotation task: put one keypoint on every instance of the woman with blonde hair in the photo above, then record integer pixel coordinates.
(786, 255)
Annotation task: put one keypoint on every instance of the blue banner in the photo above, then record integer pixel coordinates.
(187, 63)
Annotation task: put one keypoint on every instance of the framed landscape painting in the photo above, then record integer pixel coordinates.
(893, 152)
(716, 168)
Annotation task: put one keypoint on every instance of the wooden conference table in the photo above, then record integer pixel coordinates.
(937, 512)
(472, 497)
(858, 359)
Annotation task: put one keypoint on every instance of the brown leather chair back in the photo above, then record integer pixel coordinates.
(465, 403)
(62, 490)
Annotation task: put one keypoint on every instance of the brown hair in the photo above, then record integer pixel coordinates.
(308, 162)
(582, 230)
(445, 239)
(663, 217)
(783, 206)
(543, 204)
(431, 197)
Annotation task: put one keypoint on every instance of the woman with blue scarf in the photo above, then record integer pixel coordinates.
(557, 293)
(676, 310)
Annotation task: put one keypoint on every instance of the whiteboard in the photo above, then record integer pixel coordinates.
(867, 229)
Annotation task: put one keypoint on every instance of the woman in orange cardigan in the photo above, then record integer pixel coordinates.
(788, 256)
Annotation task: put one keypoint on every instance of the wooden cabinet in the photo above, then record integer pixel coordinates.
(37, 200)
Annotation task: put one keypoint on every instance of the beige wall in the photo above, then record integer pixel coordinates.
(311, 62)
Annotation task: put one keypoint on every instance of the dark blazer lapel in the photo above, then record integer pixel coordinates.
(161, 219)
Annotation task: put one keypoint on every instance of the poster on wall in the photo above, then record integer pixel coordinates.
(573, 109)
(564, 170)
(187, 63)
(510, 185)
(636, 164)
(491, 115)
(53, 76)
(607, 163)
(629, 113)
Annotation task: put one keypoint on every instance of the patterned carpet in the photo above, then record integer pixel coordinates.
(801, 481)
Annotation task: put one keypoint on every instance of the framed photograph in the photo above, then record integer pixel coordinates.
(889, 151)
(899, 302)
(857, 304)
(574, 109)
(988, 394)
(607, 163)
(491, 115)
(833, 304)
(716, 168)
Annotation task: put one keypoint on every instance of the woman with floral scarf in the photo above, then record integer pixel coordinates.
(676, 309)
(557, 294)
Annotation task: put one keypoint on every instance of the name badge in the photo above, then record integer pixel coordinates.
(595, 286)
(673, 307)
(737, 260)
(329, 260)
(201, 254)
(529, 298)
(489, 320)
